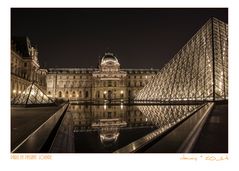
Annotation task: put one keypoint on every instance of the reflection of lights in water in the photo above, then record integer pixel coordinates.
(109, 135)
(105, 106)
(163, 116)
(121, 106)
(109, 129)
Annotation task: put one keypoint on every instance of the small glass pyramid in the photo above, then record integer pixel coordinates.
(31, 96)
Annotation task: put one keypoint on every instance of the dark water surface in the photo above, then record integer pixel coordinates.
(106, 128)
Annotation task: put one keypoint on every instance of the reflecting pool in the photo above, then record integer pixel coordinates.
(107, 128)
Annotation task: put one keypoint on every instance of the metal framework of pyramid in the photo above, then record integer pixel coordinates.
(167, 115)
(33, 95)
(199, 71)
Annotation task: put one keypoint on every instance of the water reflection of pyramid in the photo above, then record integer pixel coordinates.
(31, 96)
(167, 115)
(199, 71)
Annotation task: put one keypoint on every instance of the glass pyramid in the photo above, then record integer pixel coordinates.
(32, 95)
(167, 115)
(199, 71)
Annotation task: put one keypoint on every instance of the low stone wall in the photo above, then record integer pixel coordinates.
(34, 142)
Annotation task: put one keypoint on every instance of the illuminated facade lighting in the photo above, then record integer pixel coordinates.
(108, 81)
(32, 95)
(121, 106)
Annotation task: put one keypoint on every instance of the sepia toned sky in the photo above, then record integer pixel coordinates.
(139, 37)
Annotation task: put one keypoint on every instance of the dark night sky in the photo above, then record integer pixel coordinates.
(140, 38)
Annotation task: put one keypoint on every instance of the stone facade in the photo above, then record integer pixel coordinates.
(107, 82)
(25, 67)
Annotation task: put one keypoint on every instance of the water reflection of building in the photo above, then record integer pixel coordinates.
(85, 116)
(109, 129)
(25, 67)
(108, 81)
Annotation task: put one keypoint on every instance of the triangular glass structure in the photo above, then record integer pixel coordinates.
(199, 71)
(33, 95)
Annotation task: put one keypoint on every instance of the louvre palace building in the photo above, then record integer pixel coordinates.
(25, 67)
(108, 82)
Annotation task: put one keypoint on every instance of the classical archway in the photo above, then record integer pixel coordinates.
(60, 94)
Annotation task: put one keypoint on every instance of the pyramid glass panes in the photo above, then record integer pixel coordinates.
(32, 95)
(167, 115)
(199, 71)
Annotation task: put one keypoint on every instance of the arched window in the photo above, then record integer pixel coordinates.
(73, 94)
(98, 94)
(86, 94)
(60, 94)
(129, 93)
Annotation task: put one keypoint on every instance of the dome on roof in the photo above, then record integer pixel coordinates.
(109, 57)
